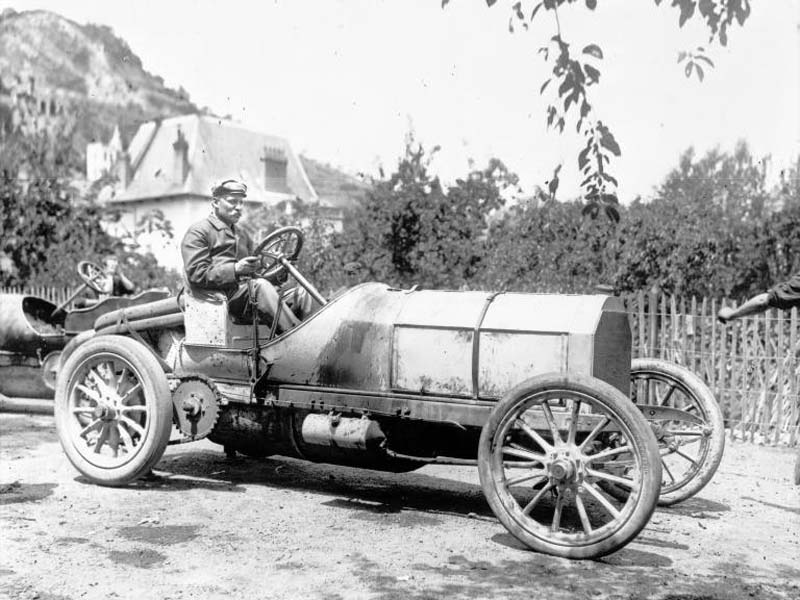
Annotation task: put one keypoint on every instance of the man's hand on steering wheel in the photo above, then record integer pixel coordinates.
(247, 266)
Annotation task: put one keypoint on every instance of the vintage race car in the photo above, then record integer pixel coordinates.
(34, 331)
(531, 388)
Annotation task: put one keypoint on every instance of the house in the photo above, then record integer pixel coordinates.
(171, 165)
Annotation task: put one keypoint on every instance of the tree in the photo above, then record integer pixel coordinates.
(47, 224)
(544, 245)
(411, 230)
(39, 215)
(574, 73)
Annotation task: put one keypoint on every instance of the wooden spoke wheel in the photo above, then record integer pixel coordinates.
(691, 451)
(113, 410)
(543, 454)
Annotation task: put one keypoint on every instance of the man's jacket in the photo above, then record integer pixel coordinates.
(210, 249)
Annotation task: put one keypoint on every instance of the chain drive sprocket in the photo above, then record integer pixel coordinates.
(195, 400)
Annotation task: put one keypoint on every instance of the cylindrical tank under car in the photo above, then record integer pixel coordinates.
(260, 431)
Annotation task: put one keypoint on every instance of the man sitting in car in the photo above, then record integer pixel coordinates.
(218, 259)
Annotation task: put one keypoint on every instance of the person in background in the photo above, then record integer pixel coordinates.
(115, 283)
(784, 296)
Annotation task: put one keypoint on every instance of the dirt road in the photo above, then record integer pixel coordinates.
(281, 528)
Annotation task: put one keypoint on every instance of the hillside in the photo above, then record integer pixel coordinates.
(49, 61)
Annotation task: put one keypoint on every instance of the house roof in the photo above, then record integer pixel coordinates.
(335, 188)
(217, 149)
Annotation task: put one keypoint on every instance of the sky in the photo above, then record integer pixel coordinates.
(346, 80)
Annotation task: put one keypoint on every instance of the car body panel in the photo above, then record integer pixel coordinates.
(452, 344)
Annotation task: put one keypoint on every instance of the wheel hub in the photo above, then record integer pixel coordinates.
(565, 468)
(106, 412)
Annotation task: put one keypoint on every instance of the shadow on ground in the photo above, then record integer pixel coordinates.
(360, 490)
(538, 576)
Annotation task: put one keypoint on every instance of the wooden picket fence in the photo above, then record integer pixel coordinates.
(54, 295)
(752, 365)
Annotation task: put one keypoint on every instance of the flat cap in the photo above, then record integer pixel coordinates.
(229, 187)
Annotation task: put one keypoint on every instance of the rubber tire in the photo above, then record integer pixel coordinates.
(641, 436)
(155, 387)
(712, 413)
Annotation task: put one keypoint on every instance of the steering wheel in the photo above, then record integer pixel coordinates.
(92, 275)
(285, 242)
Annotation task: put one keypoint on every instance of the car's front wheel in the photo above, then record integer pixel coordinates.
(547, 450)
(113, 410)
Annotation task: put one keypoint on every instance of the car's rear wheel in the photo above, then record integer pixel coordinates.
(691, 451)
(113, 410)
(543, 453)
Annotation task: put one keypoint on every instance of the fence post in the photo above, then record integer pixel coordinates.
(722, 378)
(780, 397)
(652, 306)
(642, 324)
(795, 374)
(734, 378)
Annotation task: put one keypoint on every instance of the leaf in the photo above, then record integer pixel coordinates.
(593, 50)
(707, 9)
(518, 10)
(583, 158)
(612, 213)
(544, 86)
(490, 3)
(608, 141)
(699, 71)
(536, 9)
(591, 4)
(552, 185)
(742, 11)
(609, 178)
(569, 100)
(705, 59)
(682, 56)
(688, 70)
(565, 86)
(445, 3)
(551, 115)
(592, 73)
(687, 10)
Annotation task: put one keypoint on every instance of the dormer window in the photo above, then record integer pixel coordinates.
(274, 160)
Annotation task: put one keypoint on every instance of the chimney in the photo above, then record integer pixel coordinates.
(180, 164)
(274, 160)
(123, 169)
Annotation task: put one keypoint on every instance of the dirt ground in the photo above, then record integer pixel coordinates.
(208, 527)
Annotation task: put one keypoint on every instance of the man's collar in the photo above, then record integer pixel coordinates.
(217, 223)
